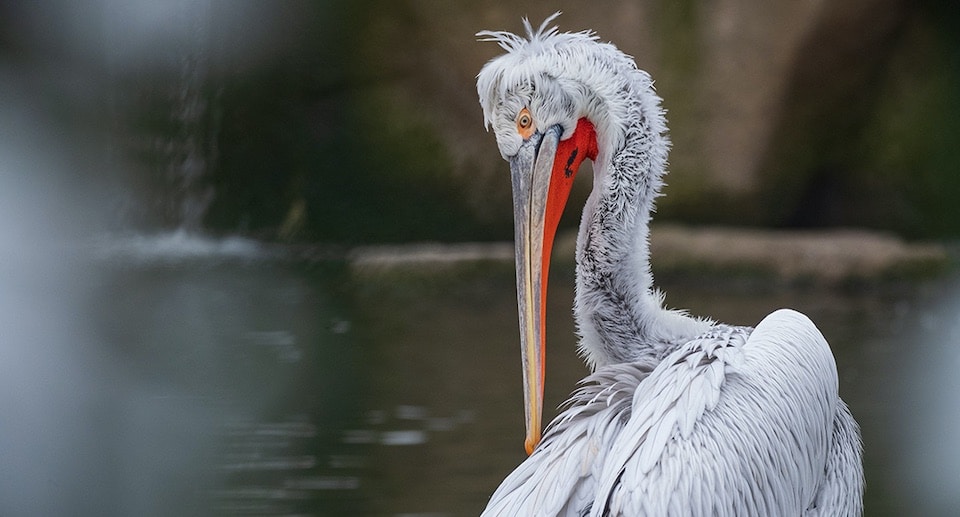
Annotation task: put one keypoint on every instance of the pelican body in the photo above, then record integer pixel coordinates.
(681, 415)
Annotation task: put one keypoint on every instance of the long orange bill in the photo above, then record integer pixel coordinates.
(542, 174)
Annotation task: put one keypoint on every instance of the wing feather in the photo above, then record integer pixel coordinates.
(746, 432)
(735, 422)
(571, 454)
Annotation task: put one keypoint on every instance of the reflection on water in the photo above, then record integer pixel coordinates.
(254, 355)
(178, 375)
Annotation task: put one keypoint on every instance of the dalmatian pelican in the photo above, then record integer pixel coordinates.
(680, 415)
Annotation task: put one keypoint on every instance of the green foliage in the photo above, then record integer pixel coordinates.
(869, 139)
(320, 146)
(388, 179)
(909, 148)
(681, 51)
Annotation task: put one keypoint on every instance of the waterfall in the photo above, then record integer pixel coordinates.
(163, 104)
(191, 149)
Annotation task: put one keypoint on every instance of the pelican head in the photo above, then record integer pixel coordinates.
(553, 100)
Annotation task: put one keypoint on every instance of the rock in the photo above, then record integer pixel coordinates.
(830, 258)
(777, 257)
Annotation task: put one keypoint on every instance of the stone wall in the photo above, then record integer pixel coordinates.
(767, 101)
(359, 121)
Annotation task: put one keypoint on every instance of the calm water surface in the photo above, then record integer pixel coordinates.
(231, 381)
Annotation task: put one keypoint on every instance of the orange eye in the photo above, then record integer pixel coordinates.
(525, 123)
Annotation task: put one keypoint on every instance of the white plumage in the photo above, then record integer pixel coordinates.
(682, 416)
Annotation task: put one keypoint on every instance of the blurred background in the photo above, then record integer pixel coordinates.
(214, 292)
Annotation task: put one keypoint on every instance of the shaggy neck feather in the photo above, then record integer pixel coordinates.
(619, 313)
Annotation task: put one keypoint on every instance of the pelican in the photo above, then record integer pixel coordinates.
(680, 415)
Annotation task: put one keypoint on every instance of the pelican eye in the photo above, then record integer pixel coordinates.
(525, 123)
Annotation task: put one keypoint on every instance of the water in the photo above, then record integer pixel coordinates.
(451, 343)
(184, 375)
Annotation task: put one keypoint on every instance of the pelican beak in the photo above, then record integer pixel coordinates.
(542, 174)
